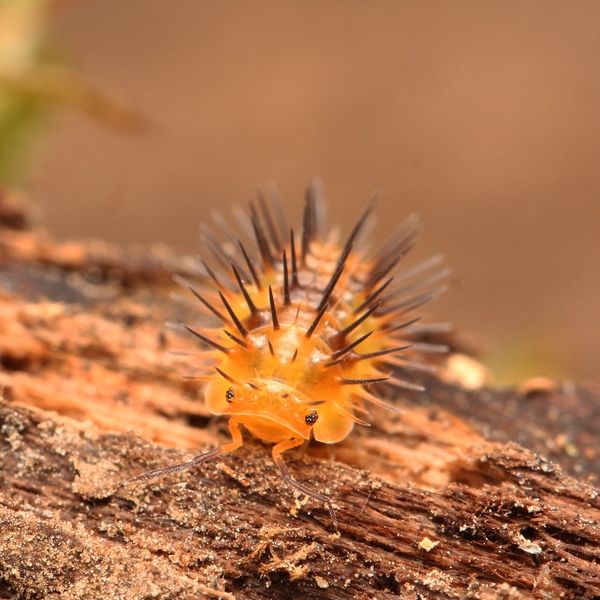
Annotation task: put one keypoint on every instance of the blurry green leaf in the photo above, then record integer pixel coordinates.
(20, 122)
(32, 83)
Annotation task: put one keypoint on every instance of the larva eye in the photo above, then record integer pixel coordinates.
(311, 418)
(229, 394)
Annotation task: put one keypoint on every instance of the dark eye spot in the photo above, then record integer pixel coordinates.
(229, 395)
(311, 417)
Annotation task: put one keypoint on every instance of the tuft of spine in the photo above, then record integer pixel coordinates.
(322, 320)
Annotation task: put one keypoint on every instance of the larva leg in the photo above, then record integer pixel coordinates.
(278, 449)
(237, 441)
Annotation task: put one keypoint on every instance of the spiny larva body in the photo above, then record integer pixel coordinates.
(305, 328)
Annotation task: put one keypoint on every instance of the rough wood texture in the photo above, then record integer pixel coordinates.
(450, 498)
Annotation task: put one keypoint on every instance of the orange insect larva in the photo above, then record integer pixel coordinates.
(304, 330)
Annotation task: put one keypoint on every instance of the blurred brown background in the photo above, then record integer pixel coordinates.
(481, 116)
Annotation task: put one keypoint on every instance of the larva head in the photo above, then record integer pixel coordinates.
(282, 380)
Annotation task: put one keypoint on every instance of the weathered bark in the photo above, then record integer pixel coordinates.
(450, 498)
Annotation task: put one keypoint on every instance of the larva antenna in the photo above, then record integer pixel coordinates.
(315, 322)
(251, 266)
(334, 279)
(301, 487)
(235, 338)
(274, 316)
(374, 295)
(198, 460)
(295, 355)
(268, 220)
(243, 289)
(342, 351)
(271, 349)
(261, 239)
(206, 340)
(294, 260)
(234, 317)
(236, 442)
(286, 281)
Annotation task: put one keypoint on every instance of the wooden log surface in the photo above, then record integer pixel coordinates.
(463, 494)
